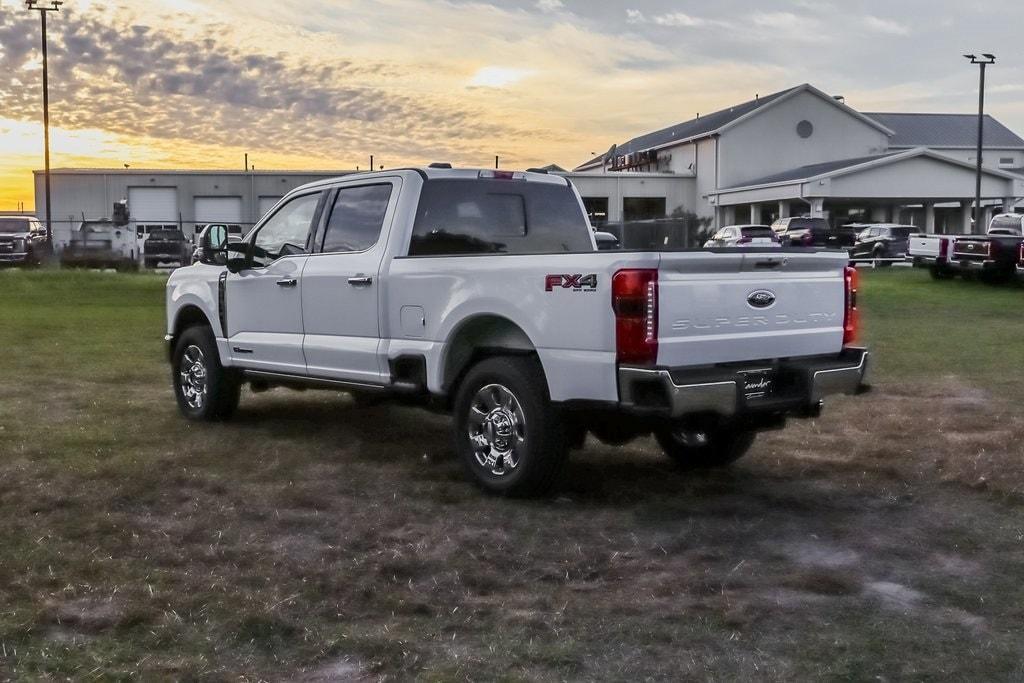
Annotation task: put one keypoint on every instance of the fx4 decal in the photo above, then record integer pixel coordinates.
(577, 283)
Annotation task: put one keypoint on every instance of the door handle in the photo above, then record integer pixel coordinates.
(360, 281)
(287, 282)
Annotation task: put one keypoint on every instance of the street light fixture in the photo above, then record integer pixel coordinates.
(44, 8)
(982, 62)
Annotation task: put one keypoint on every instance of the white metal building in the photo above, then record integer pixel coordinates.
(160, 198)
(801, 151)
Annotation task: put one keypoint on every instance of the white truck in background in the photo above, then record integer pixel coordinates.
(481, 293)
(933, 252)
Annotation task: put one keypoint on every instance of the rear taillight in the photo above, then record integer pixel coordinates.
(851, 318)
(1020, 256)
(807, 239)
(943, 247)
(635, 302)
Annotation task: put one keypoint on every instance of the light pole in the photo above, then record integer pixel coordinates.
(982, 62)
(43, 8)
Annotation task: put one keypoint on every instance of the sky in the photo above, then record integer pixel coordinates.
(323, 84)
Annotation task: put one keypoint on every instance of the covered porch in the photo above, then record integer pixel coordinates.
(917, 187)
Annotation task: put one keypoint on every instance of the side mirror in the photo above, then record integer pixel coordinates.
(237, 256)
(213, 245)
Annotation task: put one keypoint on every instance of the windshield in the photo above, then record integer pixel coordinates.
(165, 235)
(1012, 223)
(13, 225)
(805, 223)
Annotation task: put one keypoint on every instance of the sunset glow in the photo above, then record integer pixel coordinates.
(197, 83)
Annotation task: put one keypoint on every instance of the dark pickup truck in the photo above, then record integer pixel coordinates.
(805, 231)
(166, 246)
(992, 257)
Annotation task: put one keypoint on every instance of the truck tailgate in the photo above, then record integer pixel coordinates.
(717, 307)
(921, 245)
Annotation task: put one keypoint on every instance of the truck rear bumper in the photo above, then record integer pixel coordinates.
(798, 386)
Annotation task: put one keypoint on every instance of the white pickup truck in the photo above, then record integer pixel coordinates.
(482, 294)
(932, 251)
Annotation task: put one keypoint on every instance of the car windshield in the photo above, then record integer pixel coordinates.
(1007, 223)
(13, 225)
(757, 231)
(808, 223)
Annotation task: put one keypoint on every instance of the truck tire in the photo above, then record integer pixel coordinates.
(700, 448)
(941, 272)
(508, 436)
(204, 388)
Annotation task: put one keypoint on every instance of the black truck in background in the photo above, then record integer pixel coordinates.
(992, 257)
(166, 245)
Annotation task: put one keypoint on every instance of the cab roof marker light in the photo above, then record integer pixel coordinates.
(502, 175)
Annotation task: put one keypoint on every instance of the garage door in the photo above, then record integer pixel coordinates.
(149, 205)
(266, 204)
(218, 210)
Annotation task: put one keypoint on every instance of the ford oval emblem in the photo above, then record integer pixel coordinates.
(761, 298)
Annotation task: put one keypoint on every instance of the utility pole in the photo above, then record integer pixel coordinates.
(982, 62)
(43, 8)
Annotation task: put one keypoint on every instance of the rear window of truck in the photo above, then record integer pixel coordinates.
(477, 216)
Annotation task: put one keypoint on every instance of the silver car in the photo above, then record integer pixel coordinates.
(744, 236)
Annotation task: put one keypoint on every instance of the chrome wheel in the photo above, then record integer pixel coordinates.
(192, 377)
(497, 429)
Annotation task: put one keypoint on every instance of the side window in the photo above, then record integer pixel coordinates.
(356, 218)
(286, 232)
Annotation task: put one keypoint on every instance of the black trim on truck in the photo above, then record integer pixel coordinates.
(799, 386)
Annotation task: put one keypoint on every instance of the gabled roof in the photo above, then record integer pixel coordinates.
(718, 121)
(812, 170)
(831, 169)
(945, 130)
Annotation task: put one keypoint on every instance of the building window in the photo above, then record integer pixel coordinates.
(1006, 161)
(642, 208)
(597, 209)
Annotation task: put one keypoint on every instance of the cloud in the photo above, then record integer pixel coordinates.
(130, 78)
(889, 26)
(550, 5)
(670, 19)
(635, 16)
(497, 76)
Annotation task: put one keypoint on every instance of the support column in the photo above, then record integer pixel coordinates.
(817, 207)
(894, 213)
(784, 209)
(755, 213)
(879, 214)
(965, 217)
(1008, 203)
(929, 217)
(730, 215)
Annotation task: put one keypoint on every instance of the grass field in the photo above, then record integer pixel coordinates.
(313, 539)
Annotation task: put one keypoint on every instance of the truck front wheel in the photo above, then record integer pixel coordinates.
(704, 447)
(204, 388)
(507, 434)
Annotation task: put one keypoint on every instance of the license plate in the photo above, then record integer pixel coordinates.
(758, 384)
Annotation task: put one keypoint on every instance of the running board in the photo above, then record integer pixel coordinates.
(307, 382)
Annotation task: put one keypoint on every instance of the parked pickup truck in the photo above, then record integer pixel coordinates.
(933, 252)
(99, 244)
(992, 257)
(166, 246)
(482, 294)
